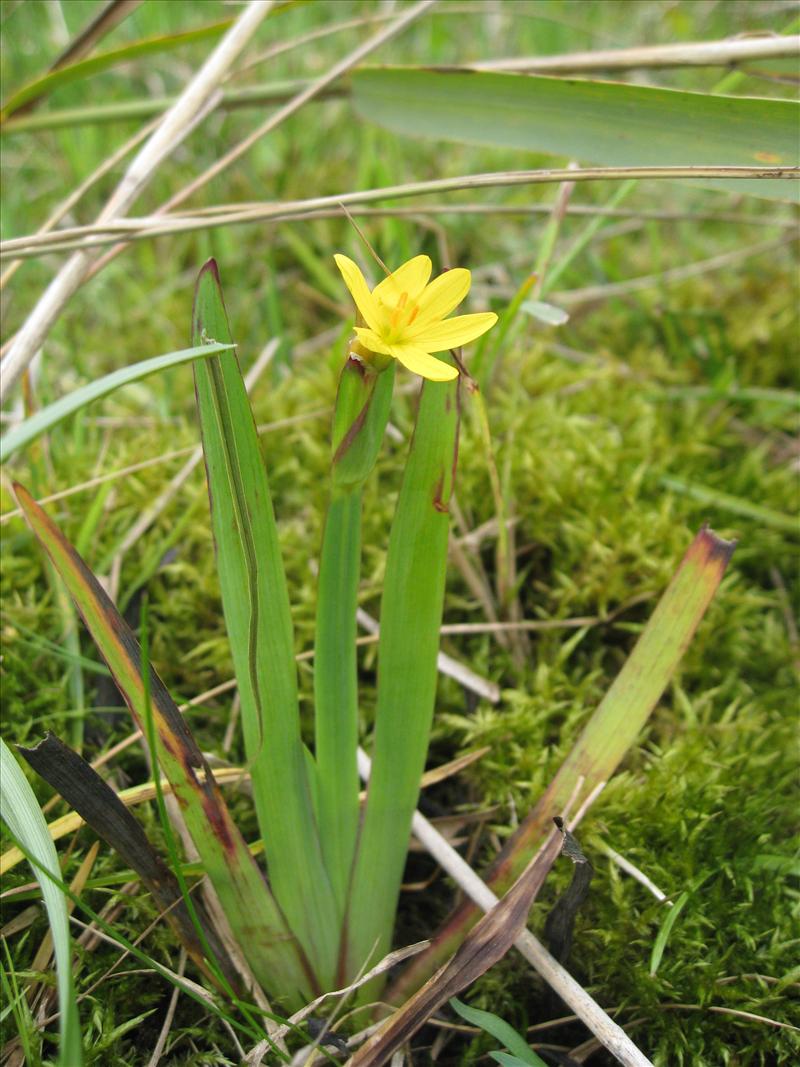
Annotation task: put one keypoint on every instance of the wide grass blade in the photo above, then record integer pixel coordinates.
(85, 791)
(22, 814)
(411, 614)
(601, 122)
(607, 736)
(258, 619)
(48, 417)
(272, 952)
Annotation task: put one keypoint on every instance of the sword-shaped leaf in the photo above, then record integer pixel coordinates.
(259, 624)
(359, 423)
(46, 418)
(256, 920)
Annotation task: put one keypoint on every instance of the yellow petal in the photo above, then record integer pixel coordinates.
(441, 296)
(411, 278)
(454, 332)
(421, 362)
(359, 290)
(370, 340)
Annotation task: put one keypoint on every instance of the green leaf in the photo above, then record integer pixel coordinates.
(359, 422)
(55, 413)
(22, 815)
(500, 1029)
(607, 123)
(256, 920)
(660, 942)
(85, 68)
(411, 614)
(259, 624)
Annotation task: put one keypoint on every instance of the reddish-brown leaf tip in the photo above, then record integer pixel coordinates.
(709, 548)
(210, 267)
(25, 500)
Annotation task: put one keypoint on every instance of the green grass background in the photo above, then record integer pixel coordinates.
(587, 420)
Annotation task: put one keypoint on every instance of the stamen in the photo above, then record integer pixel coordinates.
(413, 314)
(401, 303)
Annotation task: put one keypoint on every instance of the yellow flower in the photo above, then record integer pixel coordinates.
(405, 315)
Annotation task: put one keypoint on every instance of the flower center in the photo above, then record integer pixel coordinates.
(401, 317)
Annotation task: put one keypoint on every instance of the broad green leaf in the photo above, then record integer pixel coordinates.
(607, 736)
(254, 917)
(411, 614)
(607, 123)
(55, 413)
(23, 816)
(500, 1029)
(258, 619)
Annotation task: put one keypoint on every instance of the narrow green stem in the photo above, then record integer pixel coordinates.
(336, 688)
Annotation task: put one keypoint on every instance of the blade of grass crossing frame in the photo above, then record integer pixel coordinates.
(258, 619)
(85, 68)
(609, 733)
(258, 925)
(46, 418)
(21, 813)
(411, 613)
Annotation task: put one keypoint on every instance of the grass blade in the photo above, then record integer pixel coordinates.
(252, 912)
(85, 68)
(499, 1029)
(21, 813)
(736, 505)
(609, 733)
(411, 614)
(46, 418)
(662, 937)
(259, 624)
(602, 122)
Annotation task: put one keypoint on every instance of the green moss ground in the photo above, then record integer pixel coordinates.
(707, 800)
